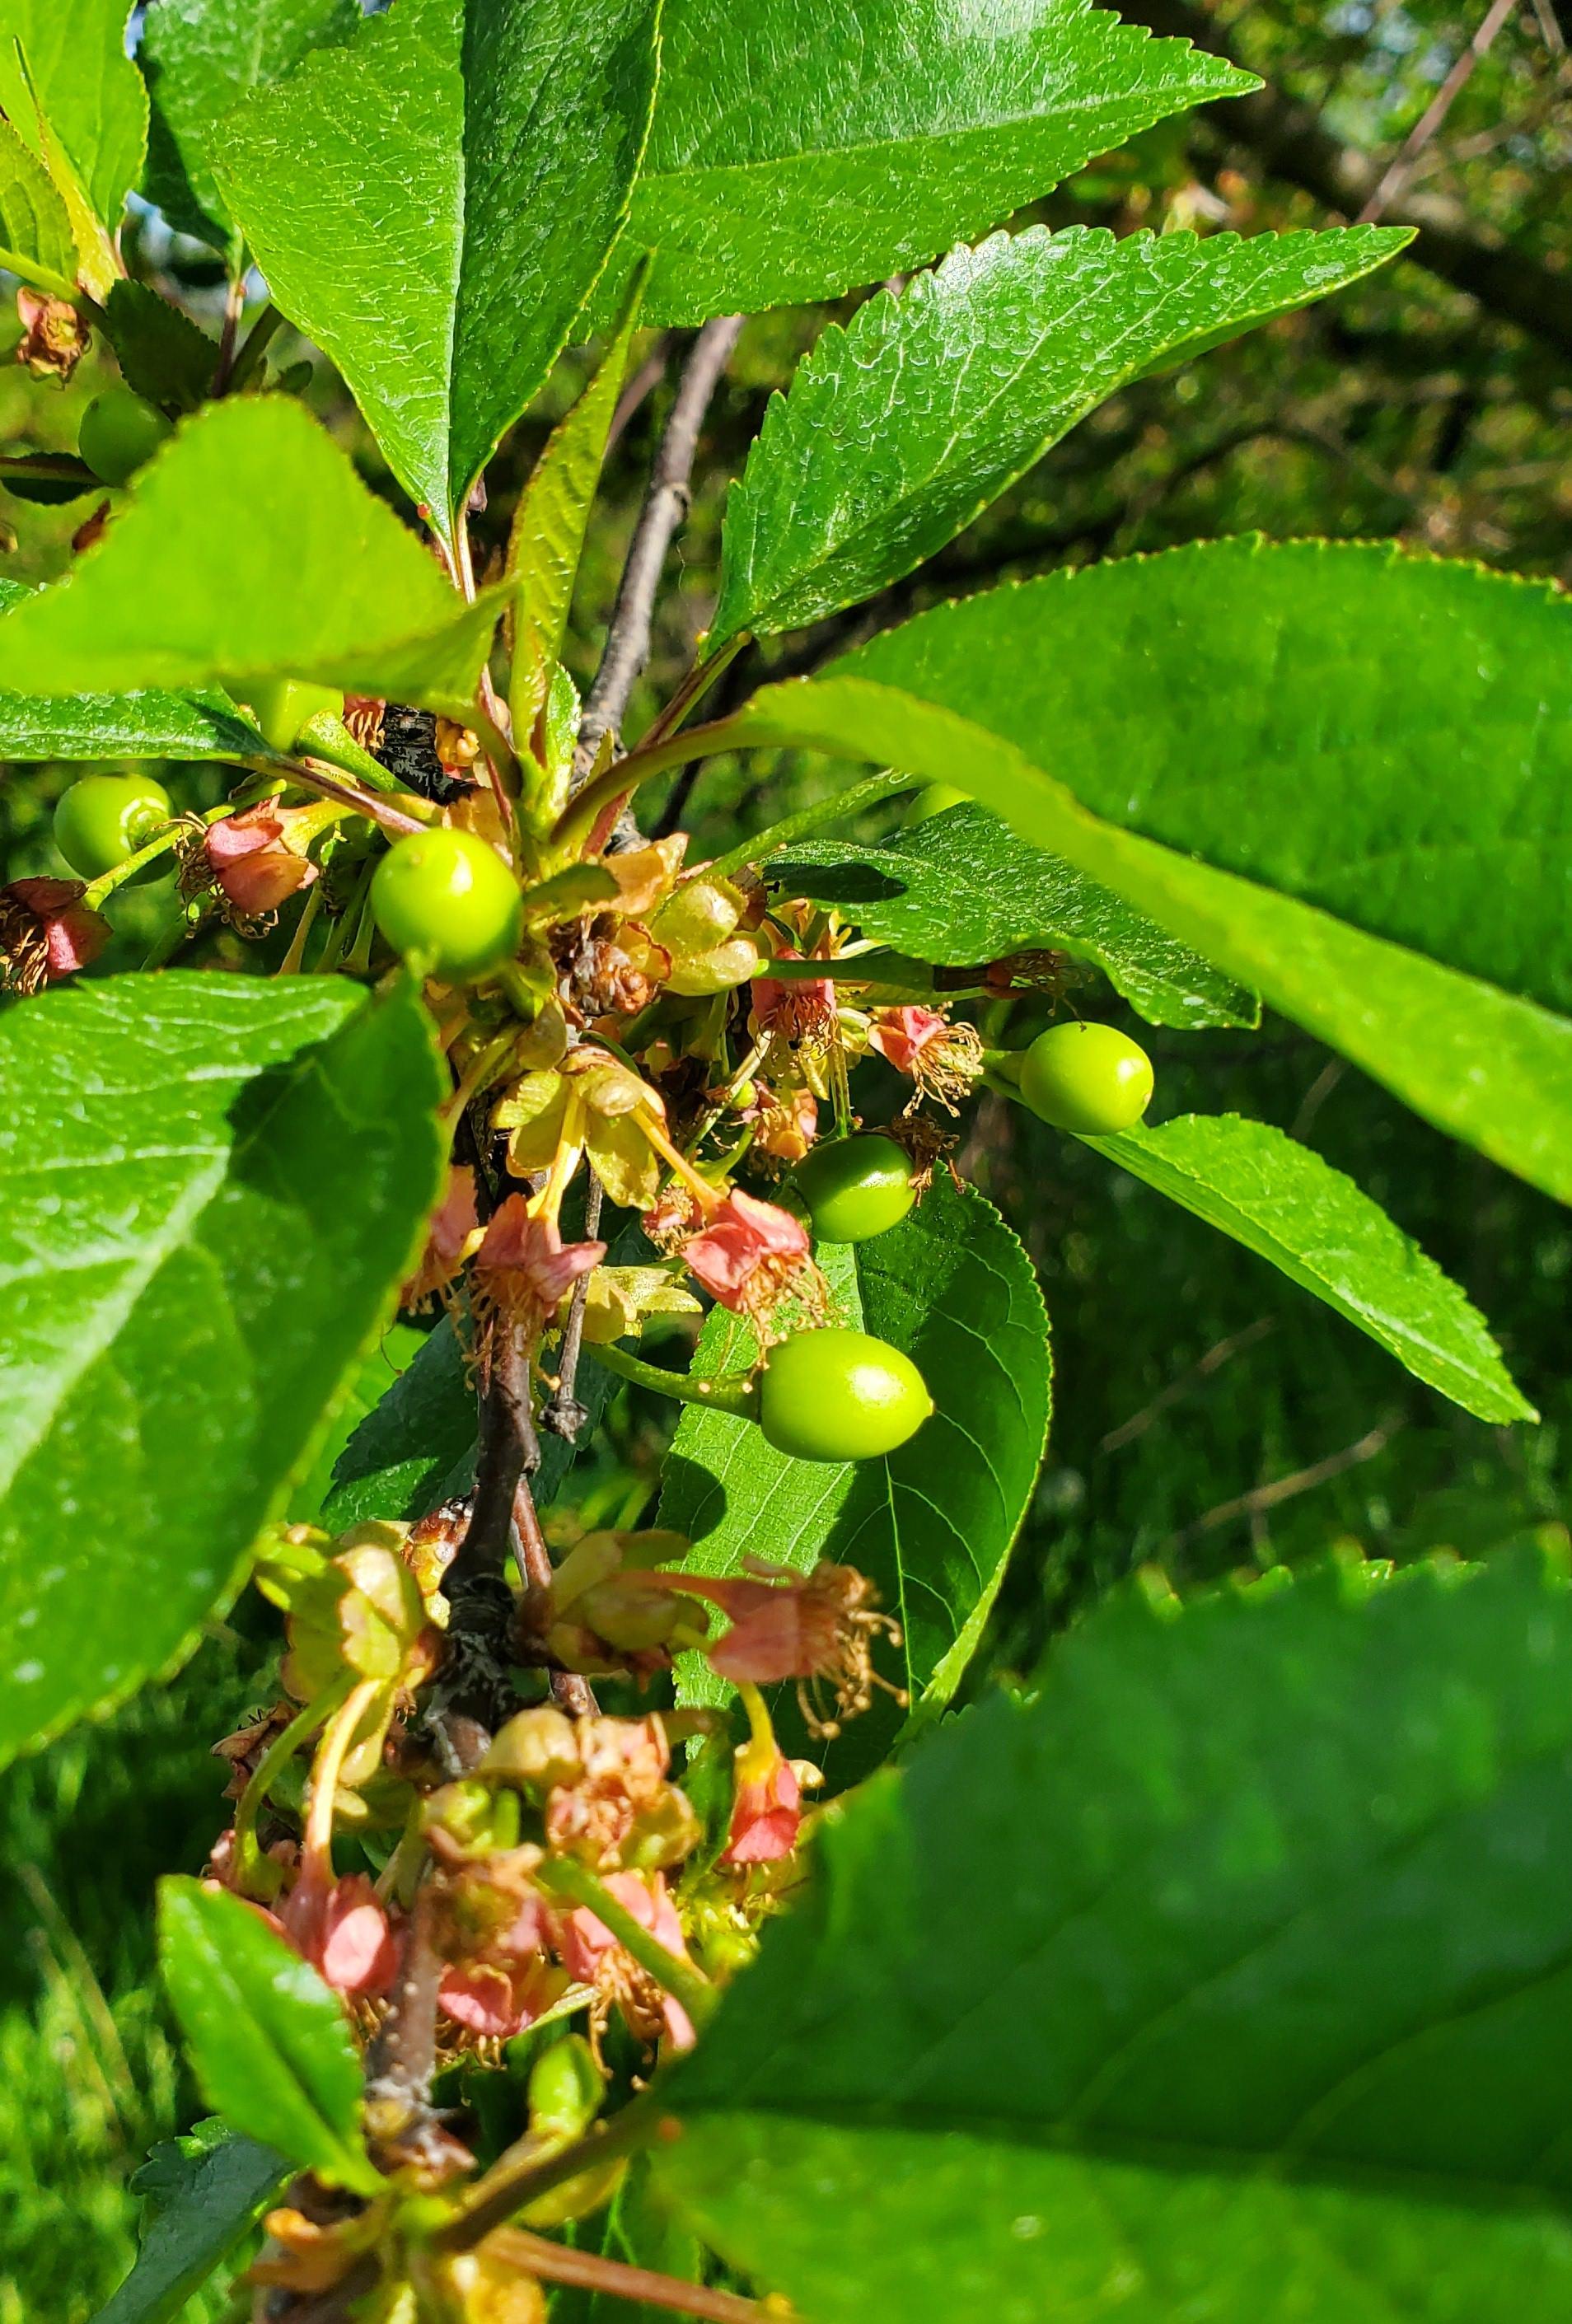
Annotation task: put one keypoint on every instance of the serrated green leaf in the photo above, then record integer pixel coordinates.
(36, 241)
(410, 1441)
(160, 352)
(150, 725)
(269, 2042)
(932, 1524)
(1283, 1201)
(191, 1162)
(991, 693)
(1366, 729)
(90, 92)
(802, 147)
(202, 57)
(251, 549)
(434, 203)
(1222, 1979)
(961, 889)
(550, 527)
(200, 2194)
(900, 429)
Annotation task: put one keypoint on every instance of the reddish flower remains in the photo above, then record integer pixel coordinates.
(943, 1059)
(749, 1253)
(258, 857)
(524, 1269)
(46, 933)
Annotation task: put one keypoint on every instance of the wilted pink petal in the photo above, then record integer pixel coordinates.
(742, 1236)
(943, 1059)
(489, 1999)
(258, 857)
(54, 337)
(452, 1224)
(46, 933)
(902, 1035)
(796, 1007)
(343, 1933)
(528, 1269)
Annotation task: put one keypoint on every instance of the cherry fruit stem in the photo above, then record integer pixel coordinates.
(735, 1395)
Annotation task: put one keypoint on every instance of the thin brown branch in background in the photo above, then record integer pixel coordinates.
(1402, 169)
(1292, 143)
(627, 644)
(1212, 1361)
(1287, 1489)
(1550, 30)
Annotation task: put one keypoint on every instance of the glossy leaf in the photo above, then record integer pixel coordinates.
(151, 725)
(249, 548)
(961, 890)
(1223, 1978)
(160, 352)
(800, 147)
(214, 1185)
(1368, 731)
(36, 241)
(433, 204)
(269, 2042)
(958, 696)
(932, 1524)
(550, 527)
(146, 726)
(1283, 1201)
(201, 2195)
(90, 92)
(900, 429)
(202, 58)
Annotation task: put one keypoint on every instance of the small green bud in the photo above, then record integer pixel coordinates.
(566, 2089)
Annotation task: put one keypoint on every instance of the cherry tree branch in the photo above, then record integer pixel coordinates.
(564, 1415)
(1402, 169)
(628, 645)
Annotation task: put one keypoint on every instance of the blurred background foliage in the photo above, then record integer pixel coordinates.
(1208, 1415)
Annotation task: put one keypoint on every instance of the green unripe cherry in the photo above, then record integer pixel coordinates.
(446, 900)
(855, 1187)
(840, 1396)
(119, 431)
(103, 818)
(1092, 1079)
(282, 706)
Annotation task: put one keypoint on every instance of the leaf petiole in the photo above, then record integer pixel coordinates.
(249, 1861)
(764, 843)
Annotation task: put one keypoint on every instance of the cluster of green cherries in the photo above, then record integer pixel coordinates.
(845, 1396)
(445, 901)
